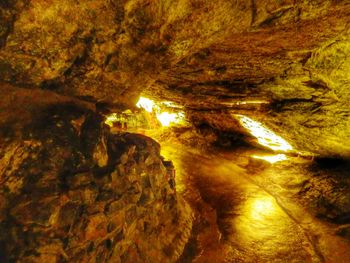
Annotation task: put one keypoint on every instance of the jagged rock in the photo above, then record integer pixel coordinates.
(292, 56)
(67, 197)
(326, 193)
(71, 191)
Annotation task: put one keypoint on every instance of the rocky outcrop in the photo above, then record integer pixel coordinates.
(289, 55)
(73, 192)
(326, 193)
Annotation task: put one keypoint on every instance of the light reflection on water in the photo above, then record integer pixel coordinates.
(261, 208)
(253, 226)
(262, 221)
(252, 223)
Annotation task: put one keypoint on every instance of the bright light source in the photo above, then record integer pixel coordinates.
(272, 158)
(171, 104)
(145, 103)
(265, 136)
(111, 118)
(165, 118)
(247, 102)
(262, 208)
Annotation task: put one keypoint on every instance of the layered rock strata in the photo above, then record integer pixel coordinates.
(292, 55)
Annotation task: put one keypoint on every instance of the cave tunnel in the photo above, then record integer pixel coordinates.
(179, 131)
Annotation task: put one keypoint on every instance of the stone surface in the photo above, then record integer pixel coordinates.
(326, 193)
(73, 192)
(293, 55)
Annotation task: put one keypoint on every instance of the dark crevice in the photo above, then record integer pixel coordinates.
(232, 85)
(331, 163)
(294, 104)
(9, 24)
(274, 16)
(319, 84)
(53, 84)
(254, 11)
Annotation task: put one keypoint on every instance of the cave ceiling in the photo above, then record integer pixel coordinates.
(290, 58)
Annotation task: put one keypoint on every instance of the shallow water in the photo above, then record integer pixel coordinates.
(247, 211)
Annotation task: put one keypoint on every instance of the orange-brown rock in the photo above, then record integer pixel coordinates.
(65, 197)
(202, 54)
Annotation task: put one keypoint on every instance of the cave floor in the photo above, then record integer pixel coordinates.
(251, 211)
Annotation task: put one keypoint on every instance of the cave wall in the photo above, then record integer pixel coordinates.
(64, 175)
(311, 102)
(111, 50)
(308, 104)
(73, 192)
(107, 50)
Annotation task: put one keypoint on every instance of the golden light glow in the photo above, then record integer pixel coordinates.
(145, 104)
(272, 158)
(247, 102)
(171, 104)
(111, 118)
(265, 136)
(164, 117)
(261, 208)
(262, 221)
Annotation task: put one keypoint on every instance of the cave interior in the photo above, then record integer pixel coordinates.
(175, 131)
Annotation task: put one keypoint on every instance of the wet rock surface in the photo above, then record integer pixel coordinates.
(327, 193)
(248, 210)
(204, 55)
(73, 192)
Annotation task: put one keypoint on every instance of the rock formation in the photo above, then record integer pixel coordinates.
(73, 192)
(70, 188)
(203, 54)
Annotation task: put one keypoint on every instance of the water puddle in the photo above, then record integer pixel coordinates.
(254, 212)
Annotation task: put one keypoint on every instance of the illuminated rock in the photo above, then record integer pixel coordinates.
(284, 64)
(165, 118)
(272, 158)
(264, 136)
(208, 55)
(81, 196)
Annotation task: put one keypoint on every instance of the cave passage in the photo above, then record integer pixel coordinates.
(175, 131)
(253, 212)
(253, 204)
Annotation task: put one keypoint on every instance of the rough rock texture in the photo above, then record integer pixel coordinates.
(293, 55)
(327, 193)
(73, 192)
